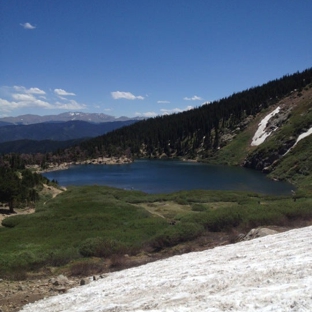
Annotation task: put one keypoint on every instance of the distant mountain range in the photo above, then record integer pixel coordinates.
(30, 119)
(33, 133)
(59, 131)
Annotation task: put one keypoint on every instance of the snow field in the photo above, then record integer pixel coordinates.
(272, 273)
(300, 137)
(261, 134)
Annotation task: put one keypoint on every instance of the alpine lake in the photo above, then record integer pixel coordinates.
(167, 176)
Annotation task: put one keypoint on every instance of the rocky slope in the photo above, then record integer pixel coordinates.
(281, 131)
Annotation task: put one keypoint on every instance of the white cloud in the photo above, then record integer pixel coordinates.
(193, 98)
(35, 91)
(28, 26)
(62, 92)
(163, 102)
(125, 95)
(23, 101)
(70, 105)
(206, 103)
(147, 114)
(28, 91)
(6, 106)
(19, 97)
(63, 98)
(166, 111)
(23, 97)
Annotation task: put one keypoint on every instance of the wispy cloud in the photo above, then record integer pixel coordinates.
(116, 95)
(70, 105)
(62, 92)
(21, 101)
(166, 111)
(28, 91)
(163, 102)
(28, 26)
(193, 98)
(19, 97)
(146, 114)
(23, 97)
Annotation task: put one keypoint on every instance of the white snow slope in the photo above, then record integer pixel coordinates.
(300, 137)
(272, 273)
(261, 134)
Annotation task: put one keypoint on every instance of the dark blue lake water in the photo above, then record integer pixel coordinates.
(161, 176)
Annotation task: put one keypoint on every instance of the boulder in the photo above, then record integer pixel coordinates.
(60, 280)
(259, 232)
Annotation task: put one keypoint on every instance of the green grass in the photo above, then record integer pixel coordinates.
(94, 221)
(296, 166)
(65, 224)
(235, 151)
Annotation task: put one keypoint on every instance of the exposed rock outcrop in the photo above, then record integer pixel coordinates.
(258, 232)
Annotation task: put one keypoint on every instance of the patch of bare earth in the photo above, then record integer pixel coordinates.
(5, 213)
(51, 190)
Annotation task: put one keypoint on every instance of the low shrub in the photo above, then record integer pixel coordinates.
(61, 257)
(175, 234)
(100, 247)
(265, 217)
(181, 201)
(12, 221)
(221, 219)
(199, 207)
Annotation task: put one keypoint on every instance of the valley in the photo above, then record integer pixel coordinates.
(91, 229)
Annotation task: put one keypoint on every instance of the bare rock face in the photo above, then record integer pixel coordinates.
(259, 232)
(61, 280)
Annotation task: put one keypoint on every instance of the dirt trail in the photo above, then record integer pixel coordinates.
(5, 213)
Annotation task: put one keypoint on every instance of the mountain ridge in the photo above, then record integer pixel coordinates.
(29, 119)
(60, 131)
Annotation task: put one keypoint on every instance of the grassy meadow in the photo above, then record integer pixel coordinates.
(98, 222)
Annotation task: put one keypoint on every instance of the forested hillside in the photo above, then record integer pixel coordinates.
(200, 132)
(35, 147)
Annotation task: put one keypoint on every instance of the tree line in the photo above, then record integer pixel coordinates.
(195, 132)
(18, 186)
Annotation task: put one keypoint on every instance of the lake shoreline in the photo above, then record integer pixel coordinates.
(168, 176)
(95, 161)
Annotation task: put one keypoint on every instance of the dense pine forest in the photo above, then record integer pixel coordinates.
(19, 186)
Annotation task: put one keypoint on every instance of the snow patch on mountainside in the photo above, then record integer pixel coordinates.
(300, 137)
(262, 132)
(272, 273)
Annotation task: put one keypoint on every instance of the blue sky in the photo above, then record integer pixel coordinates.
(144, 57)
